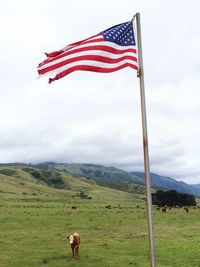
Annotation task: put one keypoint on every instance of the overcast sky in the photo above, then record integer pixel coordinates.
(94, 117)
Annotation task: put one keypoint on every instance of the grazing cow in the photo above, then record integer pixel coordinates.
(74, 241)
(164, 210)
(186, 209)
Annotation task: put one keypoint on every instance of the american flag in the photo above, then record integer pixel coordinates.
(108, 51)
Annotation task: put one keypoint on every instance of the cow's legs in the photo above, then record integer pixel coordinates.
(77, 250)
(72, 251)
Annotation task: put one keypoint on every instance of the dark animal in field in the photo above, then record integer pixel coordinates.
(108, 207)
(164, 209)
(186, 209)
(73, 207)
(74, 241)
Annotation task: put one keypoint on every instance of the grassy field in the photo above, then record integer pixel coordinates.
(35, 221)
(33, 233)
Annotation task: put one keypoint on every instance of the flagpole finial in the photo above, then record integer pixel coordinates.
(133, 17)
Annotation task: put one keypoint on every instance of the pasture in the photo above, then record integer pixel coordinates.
(33, 233)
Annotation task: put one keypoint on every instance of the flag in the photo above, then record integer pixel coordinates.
(108, 51)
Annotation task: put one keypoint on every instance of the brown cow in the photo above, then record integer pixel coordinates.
(74, 241)
(186, 209)
(164, 209)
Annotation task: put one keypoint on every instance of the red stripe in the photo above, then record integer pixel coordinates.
(54, 54)
(100, 39)
(91, 68)
(94, 47)
(84, 40)
(57, 53)
(51, 56)
(87, 57)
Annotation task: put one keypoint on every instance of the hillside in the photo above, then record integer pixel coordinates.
(164, 182)
(122, 180)
(71, 179)
(95, 172)
(104, 176)
(31, 182)
(197, 186)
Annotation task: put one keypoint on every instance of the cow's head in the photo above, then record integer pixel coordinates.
(71, 239)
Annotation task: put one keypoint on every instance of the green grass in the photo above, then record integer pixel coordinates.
(36, 219)
(33, 233)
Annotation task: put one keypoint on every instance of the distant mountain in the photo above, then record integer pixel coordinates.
(51, 174)
(104, 176)
(164, 182)
(122, 180)
(196, 186)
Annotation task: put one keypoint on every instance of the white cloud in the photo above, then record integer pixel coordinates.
(90, 117)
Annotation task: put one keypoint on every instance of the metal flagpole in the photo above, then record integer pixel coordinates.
(145, 144)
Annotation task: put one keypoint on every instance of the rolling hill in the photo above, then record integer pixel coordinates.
(69, 180)
(122, 180)
(24, 181)
(104, 176)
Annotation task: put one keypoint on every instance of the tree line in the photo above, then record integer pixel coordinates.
(172, 198)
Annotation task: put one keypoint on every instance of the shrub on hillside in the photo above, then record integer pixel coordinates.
(8, 172)
(51, 178)
(83, 195)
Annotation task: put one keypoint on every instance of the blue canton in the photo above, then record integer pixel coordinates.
(121, 34)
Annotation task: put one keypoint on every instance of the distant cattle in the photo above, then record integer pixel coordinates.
(108, 207)
(186, 209)
(73, 207)
(164, 210)
(74, 241)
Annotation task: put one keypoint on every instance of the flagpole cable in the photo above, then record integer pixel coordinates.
(145, 144)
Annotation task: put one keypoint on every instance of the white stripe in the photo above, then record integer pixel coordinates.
(84, 53)
(67, 47)
(90, 63)
(106, 43)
